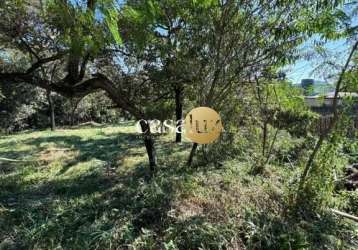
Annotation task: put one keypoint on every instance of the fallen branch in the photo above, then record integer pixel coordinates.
(349, 216)
(13, 160)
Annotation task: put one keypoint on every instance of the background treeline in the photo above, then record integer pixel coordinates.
(25, 107)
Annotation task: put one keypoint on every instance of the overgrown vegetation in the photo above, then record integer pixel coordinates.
(90, 188)
(96, 72)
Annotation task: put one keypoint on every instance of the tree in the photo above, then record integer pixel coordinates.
(218, 46)
(231, 43)
(152, 30)
(73, 34)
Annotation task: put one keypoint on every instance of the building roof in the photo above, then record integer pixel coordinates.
(330, 95)
(341, 94)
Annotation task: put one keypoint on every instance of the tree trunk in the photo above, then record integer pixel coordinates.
(271, 148)
(192, 153)
(52, 111)
(74, 104)
(310, 162)
(149, 145)
(178, 112)
(72, 117)
(264, 138)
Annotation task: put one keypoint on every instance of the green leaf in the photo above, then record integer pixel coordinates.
(112, 23)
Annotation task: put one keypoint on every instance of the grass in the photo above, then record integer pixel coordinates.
(90, 188)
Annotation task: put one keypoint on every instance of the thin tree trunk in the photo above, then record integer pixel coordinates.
(52, 110)
(310, 161)
(192, 153)
(271, 147)
(264, 138)
(149, 145)
(178, 112)
(73, 117)
(74, 104)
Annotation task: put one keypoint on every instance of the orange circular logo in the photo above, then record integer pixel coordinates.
(203, 125)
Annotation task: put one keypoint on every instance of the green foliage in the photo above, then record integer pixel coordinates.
(112, 20)
(20, 108)
(81, 31)
(284, 108)
(162, 110)
(323, 19)
(349, 201)
(351, 78)
(319, 188)
(350, 148)
(295, 122)
(27, 108)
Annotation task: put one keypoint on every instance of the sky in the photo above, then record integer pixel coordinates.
(338, 51)
(305, 68)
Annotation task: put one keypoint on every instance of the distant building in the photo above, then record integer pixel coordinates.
(323, 104)
(319, 96)
(314, 87)
(307, 83)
